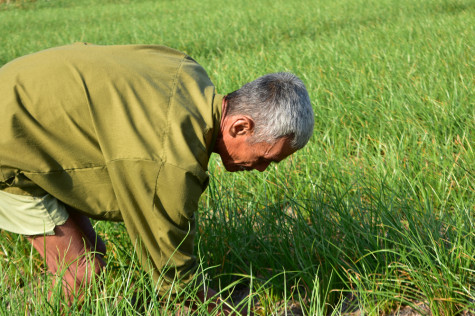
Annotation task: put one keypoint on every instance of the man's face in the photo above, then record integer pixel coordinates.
(246, 156)
(239, 154)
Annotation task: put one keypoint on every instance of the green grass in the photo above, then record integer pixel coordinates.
(376, 213)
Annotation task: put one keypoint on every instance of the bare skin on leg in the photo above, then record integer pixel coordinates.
(70, 252)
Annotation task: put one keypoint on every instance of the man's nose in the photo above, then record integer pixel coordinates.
(262, 167)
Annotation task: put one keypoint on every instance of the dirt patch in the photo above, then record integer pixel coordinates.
(347, 309)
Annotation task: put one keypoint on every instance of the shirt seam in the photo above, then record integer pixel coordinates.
(65, 169)
(155, 189)
(135, 158)
(176, 166)
(192, 171)
(4, 177)
(170, 100)
(92, 167)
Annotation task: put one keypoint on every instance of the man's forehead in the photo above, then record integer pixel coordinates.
(281, 149)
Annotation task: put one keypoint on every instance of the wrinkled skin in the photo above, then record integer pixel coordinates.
(238, 152)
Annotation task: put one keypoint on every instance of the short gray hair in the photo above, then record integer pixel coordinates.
(279, 105)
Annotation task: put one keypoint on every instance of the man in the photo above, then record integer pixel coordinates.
(124, 133)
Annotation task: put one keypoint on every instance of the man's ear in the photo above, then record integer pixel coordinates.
(241, 126)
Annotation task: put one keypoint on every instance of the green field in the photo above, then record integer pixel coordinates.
(375, 215)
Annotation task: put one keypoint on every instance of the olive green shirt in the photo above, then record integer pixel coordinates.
(117, 132)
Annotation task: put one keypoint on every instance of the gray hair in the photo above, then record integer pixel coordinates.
(279, 105)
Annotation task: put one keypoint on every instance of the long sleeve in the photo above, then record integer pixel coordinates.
(157, 202)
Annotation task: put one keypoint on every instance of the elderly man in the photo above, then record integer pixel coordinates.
(124, 133)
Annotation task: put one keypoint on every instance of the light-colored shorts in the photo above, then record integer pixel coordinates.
(29, 215)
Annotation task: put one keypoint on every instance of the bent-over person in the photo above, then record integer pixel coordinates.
(124, 133)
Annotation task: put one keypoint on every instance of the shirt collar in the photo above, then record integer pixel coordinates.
(217, 113)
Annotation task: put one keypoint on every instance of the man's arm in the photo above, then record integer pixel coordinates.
(157, 203)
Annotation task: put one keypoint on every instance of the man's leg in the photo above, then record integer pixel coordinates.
(84, 224)
(71, 254)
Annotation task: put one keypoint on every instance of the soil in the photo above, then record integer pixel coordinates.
(294, 308)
